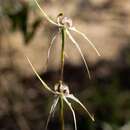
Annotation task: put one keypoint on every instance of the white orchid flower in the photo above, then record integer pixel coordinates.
(61, 90)
(66, 24)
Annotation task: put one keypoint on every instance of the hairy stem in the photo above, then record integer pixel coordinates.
(62, 113)
(62, 53)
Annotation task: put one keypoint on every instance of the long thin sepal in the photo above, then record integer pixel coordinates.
(71, 96)
(85, 37)
(45, 15)
(51, 113)
(44, 84)
(74, 117)
(76, 44)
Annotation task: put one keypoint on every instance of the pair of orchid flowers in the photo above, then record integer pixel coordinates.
(61, 90)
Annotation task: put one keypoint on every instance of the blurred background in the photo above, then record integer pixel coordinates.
(24, 105)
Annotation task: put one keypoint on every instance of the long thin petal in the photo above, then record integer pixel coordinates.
(82, 34)
(51, 111)
(74, 117)
(45, 15)
(52, 42)
(76, 44)
(71, 96)
(44, 84)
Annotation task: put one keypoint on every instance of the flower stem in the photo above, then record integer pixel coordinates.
(61, 77)
(62, 113)
(62, 53)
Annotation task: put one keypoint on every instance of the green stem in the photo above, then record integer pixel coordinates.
(62, 113)
(62, 53)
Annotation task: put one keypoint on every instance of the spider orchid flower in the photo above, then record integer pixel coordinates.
(66, 24)
(61, 90)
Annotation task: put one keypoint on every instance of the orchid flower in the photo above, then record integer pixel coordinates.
(66, 24)
(61, 90)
